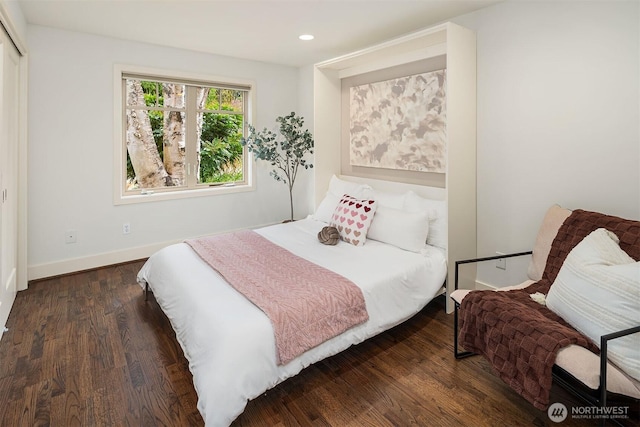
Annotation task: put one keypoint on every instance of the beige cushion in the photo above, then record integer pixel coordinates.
(551, 223)
(585, 366)
(459, 294)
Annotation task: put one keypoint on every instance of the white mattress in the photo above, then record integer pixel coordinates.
(229, 342)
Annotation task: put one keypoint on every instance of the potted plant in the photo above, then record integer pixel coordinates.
(285, 151)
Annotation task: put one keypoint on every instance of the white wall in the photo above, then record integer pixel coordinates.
(558, 117)
(303, 190)
(70, 154)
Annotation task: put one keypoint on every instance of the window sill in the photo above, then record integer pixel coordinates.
(151, 196)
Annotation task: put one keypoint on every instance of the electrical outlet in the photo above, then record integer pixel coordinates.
(70, 236)
(126, 228)
(502, 262)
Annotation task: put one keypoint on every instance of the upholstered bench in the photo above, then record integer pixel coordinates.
(556, 258)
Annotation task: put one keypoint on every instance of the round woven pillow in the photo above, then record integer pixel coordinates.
(329, 235)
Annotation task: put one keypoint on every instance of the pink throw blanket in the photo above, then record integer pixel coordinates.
(307, 304)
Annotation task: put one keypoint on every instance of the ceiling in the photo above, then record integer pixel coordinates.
(265, 30)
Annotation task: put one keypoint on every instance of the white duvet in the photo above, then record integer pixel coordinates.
(229, 342)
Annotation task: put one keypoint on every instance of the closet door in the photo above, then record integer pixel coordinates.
(9, 107)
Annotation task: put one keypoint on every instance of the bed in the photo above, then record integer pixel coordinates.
(229, 342)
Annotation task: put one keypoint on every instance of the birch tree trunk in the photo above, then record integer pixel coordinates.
(173, 138)
(202, 93)
(145, 159)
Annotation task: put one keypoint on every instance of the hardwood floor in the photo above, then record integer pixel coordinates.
(88, 350)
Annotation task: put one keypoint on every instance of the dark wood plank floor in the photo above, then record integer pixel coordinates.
(88, 350)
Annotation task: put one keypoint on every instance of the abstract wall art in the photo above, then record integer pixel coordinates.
(400, 123)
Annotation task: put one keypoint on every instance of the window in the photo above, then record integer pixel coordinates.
(180, 137)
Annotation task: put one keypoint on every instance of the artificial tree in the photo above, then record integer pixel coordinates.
(285, 151)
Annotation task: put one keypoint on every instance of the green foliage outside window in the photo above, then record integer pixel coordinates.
(220, 140)
(220, 148)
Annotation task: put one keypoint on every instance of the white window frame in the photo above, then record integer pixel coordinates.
(120, 151)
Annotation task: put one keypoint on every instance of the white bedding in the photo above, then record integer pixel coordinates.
(229, 342)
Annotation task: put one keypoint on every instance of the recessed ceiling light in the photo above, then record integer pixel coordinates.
(306, 37)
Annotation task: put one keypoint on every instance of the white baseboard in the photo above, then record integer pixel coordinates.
(481, 286)
(67, 266)
(7, 296)
(41, 271)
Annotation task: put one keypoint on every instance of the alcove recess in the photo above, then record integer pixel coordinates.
(457, 46)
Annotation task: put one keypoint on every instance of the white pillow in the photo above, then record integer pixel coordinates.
(337, 188)
(326, 207)
(390, 200)
(437, 212)
(597, 291)
(406, 230)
